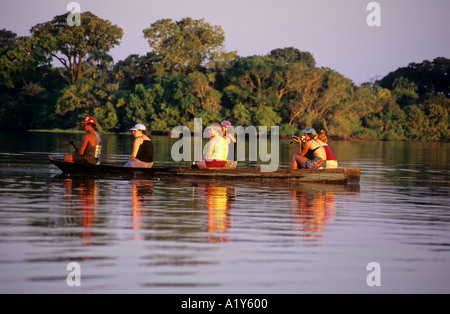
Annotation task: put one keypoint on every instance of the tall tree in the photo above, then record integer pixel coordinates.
(21, 61)
(185, 45)
(101, 59)
(303, 85)
(251, 82)
(254, 83)
(72, 44)
(293, 55)
(135, 70)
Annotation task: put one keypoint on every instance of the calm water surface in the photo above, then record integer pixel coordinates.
(175, 236)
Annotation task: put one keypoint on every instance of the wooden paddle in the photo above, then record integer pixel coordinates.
(73, 144)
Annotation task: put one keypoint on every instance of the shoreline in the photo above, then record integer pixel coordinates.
(284, 137)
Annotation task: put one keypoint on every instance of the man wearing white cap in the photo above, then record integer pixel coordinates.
(142, 155)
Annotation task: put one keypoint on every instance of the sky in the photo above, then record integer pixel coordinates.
(335, 32)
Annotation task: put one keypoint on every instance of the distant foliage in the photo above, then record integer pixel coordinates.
(428, 77)
(188, 74)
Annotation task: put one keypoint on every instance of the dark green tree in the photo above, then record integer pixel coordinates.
(8, 39)
(87, 97)
(185, 45)
(293, 55)
(72, 44)
(404, 92)
(430, 77)
(26, 82)
(101, 60)
(254, 82)
(135, 70)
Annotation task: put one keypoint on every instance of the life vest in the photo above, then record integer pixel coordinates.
(92, 154)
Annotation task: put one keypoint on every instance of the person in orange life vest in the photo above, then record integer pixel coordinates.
(91, 147)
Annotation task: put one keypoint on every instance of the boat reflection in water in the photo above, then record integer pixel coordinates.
(314, 208)
(198, 211)
(82, 193)
(140, 190)
(219, 202)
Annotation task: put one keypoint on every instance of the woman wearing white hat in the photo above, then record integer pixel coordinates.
(142, 155)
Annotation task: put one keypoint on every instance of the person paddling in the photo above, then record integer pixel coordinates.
(142, 155)
(91, 147)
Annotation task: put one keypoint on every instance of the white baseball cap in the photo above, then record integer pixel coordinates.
(139, 126)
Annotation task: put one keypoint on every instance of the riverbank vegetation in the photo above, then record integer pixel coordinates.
(60, 74)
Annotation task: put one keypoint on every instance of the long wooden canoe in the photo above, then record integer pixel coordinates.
(335, 176)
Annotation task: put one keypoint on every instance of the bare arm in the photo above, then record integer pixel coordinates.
(88, 141)
(210, 151)
(305, 148)
(137, 143)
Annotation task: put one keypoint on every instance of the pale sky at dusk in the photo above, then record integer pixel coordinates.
(334, 31)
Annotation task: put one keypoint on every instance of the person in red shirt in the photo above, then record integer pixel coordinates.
(331, 159)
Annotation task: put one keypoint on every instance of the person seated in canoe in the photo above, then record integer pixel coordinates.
(331, 159)
(91, 147)
(228, 135)
(312, 155)
(142, 154)
(216, 150)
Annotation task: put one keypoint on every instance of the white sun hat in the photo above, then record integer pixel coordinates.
(139, 126)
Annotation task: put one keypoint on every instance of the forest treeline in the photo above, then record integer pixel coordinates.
(188, 74)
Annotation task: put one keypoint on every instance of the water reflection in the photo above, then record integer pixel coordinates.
(140, 190)
(314, 208)
(219, 202)
(202, 211)
(281, 238)
(86, 190)
(185, 210)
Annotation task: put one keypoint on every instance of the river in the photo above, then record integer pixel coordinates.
(390, 234)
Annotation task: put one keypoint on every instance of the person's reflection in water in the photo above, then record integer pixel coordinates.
(87, 191)
(140, 189)
(313, 209)
(219, 200)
